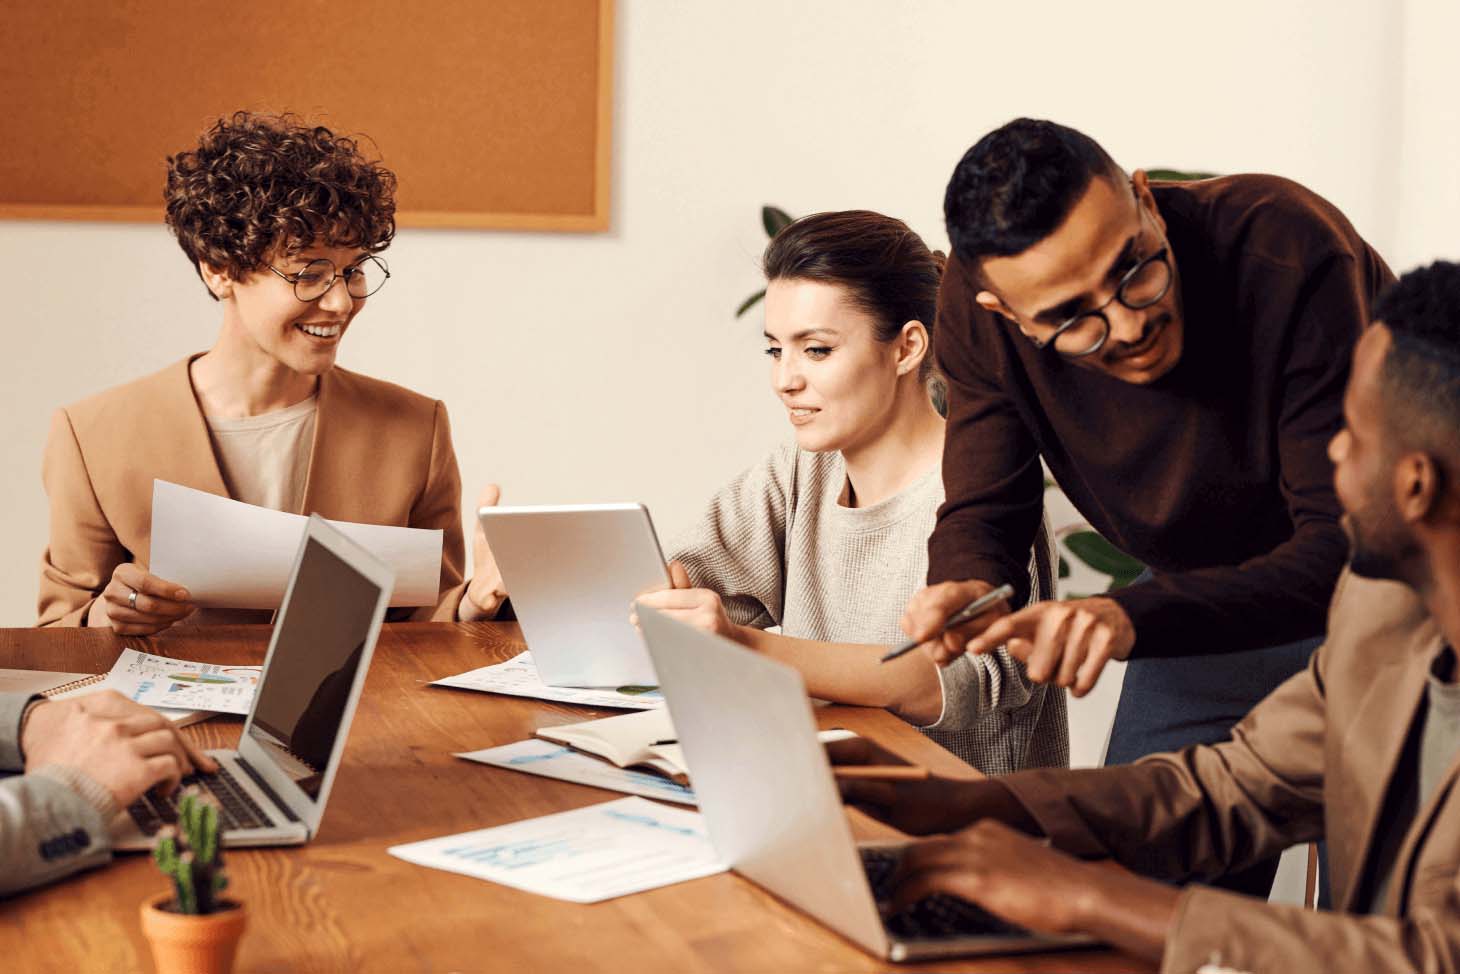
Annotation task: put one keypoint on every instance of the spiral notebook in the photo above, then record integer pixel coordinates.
(58, 686)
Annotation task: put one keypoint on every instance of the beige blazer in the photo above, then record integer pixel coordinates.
(1315, 759)
(382, 455)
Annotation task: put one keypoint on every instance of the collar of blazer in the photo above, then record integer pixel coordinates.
(1376, 738)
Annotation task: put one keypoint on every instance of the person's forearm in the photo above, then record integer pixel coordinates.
(1126, 910)
(47, 831)
(1283, 596)
(853, 673)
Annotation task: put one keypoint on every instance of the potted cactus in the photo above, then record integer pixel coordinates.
(190, 927)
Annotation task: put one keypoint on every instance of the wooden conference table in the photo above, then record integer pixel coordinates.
(341, 903)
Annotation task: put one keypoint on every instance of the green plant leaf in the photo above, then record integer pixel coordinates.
(1104, 557)
(1178, 175)
(774, 219)
(1064, 568)
(749, 302)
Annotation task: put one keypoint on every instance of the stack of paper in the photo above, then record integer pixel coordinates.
(555, 761)
(583, 856)
(518, 677)
(181, 690)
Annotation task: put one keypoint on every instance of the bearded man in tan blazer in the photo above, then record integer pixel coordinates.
(1359, 749)
(284, 223)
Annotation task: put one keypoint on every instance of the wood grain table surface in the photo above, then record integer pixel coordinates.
(341, 903)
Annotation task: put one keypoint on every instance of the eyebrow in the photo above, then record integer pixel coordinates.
(1057, 314)
(800, 335)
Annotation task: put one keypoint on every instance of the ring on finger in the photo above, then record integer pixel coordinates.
(132, 600)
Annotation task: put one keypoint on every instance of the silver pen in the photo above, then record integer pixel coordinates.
(974, 608)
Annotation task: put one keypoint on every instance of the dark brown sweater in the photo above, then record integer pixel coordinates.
(1217, 475)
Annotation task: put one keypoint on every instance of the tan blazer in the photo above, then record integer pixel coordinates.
(382, 455)
(1315, 759)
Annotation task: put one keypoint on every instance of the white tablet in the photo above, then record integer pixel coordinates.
(572, 572)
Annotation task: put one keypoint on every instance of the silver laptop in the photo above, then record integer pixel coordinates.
(573, 572)
(273, 789)
(773, 811)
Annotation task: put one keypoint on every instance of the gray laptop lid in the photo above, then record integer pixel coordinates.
(315, 669)
(764, 786)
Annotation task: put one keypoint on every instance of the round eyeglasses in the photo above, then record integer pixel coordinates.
(1142, 286)
(362, 278)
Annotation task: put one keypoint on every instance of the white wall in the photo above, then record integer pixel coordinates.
(609, 366)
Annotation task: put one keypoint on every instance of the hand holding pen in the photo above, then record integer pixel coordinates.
(949, 614)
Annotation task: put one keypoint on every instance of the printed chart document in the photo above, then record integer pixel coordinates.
(157, 681)
(583, 856)
(237, 556)
(518, 677)
(555, 761)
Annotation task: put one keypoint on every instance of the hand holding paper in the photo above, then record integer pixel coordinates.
(237, 556)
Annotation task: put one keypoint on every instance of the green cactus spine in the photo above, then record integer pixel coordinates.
(191, 856)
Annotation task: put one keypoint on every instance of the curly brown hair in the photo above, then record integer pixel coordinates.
(257, 184)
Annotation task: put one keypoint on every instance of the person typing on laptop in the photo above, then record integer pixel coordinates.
(827, 537)
(1359, 748)
(84, 760)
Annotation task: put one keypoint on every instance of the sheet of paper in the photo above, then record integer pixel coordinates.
(518, 677)
(237, 556)
(583, 856)
(556, 761)
(157, 681)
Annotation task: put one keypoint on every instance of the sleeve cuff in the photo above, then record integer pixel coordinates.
(86, 787)
(943, 694)
(1047, 802)
(13, 708)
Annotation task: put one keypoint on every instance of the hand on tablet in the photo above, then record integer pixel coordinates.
(486, 591)
(698, 607)
(135, 603)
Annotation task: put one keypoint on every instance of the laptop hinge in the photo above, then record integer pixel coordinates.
(272, 795)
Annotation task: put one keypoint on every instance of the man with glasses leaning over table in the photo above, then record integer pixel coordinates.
(1176, 353)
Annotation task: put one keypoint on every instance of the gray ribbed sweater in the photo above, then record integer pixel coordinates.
(781, 551)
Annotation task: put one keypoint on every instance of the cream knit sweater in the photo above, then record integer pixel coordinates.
(780, 549)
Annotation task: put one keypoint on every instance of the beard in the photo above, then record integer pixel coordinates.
(1371, 555)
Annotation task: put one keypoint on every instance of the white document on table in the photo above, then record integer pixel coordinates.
(556, 761)
(234, 555)
(583, 856)
(180, 684)
(518, 677)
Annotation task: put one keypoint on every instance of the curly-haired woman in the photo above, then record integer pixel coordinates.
(284, 223)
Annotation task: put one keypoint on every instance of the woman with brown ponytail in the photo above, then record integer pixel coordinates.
(827, 537)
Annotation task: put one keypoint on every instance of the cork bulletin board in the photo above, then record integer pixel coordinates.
(493, 113)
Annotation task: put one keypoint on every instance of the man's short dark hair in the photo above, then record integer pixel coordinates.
(1422, 370)
(1017, 184)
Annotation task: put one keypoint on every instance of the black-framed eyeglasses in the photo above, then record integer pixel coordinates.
(1087, 332)
(362, 278)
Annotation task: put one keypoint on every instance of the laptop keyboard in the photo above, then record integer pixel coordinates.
(933, 917)
(235, 809)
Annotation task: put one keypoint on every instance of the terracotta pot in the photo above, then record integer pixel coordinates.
(183, 944)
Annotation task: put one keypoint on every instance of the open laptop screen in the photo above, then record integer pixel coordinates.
(320, 638)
